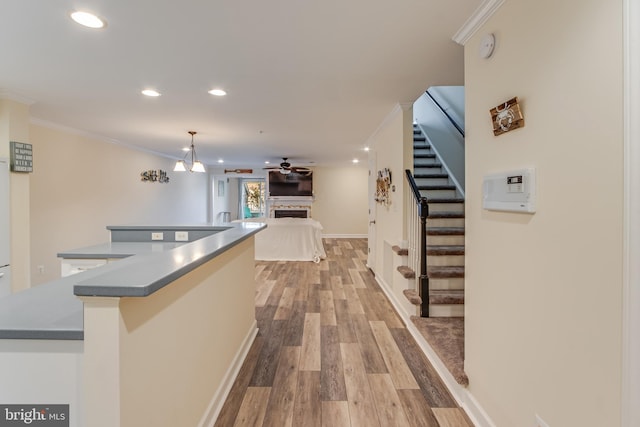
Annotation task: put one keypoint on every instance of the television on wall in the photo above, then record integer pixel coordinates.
(294, 184)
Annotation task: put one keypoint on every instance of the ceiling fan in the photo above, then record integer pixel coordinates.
(285, 168)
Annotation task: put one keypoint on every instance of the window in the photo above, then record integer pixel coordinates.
(253, 198)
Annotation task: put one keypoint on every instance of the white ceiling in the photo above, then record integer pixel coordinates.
(310, 80)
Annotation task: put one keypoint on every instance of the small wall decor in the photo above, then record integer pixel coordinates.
(507, 117)
(21, 157)
(238, 171)
(383, 184)
(154, 176)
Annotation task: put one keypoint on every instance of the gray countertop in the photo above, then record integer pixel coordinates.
(52, 311)
(118, 250)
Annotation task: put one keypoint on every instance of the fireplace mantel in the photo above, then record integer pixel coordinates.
(290, 203)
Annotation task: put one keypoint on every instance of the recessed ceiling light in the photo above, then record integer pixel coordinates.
(366, 148)
(88, 19)
(355, 160)
(185, 149)
(217, 92)
(150, 92)
(220, 161)
(266, 162)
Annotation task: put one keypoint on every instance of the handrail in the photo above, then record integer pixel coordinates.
(422, 213)
(414, 186)
(453, 122)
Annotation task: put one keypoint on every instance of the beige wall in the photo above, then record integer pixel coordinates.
(14, 126)
(341, 203)
(167, 359)
(392, 148)
(80, 185)
(543, 291)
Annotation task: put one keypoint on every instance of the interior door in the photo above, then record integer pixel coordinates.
(371, 258)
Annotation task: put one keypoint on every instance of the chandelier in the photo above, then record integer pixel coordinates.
(196, 165)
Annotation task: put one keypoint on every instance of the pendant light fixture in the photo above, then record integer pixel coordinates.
(196, 165)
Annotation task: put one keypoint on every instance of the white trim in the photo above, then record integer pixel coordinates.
(56, 126)
(400, 106)
(477, 20)
(17, 98)
(630, 411)
(461, 394)
(217, 402)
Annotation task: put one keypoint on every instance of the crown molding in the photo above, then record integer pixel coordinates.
(17, 98)
(97, 137)
(477, 20)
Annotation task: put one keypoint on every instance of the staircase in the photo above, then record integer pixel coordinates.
(445, 233)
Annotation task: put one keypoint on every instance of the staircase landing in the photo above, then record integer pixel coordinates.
(446, 336)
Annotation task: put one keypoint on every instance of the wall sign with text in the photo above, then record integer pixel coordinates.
(154, 176)
(21, 157)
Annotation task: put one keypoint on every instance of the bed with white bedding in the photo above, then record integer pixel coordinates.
(289, 239)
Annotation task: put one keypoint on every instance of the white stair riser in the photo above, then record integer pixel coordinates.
(432, 181)
(438, 194)
(420, 151)
(445, 240)
(445, 260)
(418, 162)
(445, 222)
(455, 283)
(446, 207)
(446, 310)
(419, 170)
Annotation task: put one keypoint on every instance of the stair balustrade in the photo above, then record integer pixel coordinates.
(418, 211)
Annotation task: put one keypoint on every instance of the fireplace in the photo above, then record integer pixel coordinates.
(290, 213)
(290, 207)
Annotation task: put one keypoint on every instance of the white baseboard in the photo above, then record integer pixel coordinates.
(215, 406)
(344, 236)
(461, 394)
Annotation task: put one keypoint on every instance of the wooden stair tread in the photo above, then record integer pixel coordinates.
(421, 145)
(445, 272)
(448, 297)
(428, 165)
(437, 187)
(445, 214)
(446, 200)
(412, 296)
(400, 251)
(431, 175)
(424, 156)
(406, 272)
(445, 250)
(445, 231)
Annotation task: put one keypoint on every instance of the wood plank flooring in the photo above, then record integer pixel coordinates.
(331, 351)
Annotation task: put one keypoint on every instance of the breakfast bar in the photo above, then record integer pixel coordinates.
(155, 338)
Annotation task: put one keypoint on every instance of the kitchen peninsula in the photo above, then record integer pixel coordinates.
(155, 338)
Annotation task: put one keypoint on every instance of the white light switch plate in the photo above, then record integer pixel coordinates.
(182, 236)
(157, 236)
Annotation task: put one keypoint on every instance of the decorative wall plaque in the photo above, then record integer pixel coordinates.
(21, 157)
(507, 117)
(383, 184)
(154, 176)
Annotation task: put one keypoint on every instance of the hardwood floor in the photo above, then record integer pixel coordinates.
(331, 351)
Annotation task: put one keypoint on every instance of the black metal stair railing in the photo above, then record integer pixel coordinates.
(418, 211)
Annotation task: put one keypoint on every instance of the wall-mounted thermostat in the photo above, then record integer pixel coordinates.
(513, 191)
